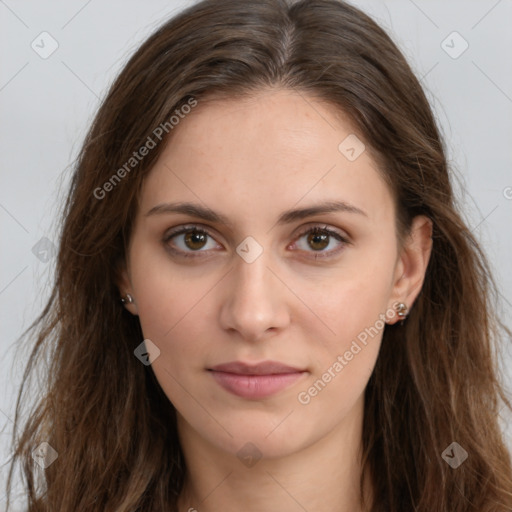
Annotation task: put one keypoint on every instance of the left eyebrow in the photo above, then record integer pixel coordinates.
(287, 217)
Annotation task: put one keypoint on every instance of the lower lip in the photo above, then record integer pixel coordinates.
(255, 386)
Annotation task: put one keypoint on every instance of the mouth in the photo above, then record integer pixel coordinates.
(255, 381)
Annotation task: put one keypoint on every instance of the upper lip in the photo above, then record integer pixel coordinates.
(263, 368)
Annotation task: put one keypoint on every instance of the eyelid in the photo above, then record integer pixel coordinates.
(187, 227)
(343, 238)
(322, 226)
(184, 228)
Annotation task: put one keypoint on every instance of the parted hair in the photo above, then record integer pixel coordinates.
(436, 380)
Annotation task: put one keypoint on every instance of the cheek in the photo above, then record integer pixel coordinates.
(172, 311)
(344, 361)
(353, 306)
(353, 300)
(351, 351)
(177, 325)
(164, 296)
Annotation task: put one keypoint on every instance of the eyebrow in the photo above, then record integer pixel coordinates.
(287, 217)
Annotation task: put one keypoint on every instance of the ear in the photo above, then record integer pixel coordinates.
(412, 264)
(125, 286)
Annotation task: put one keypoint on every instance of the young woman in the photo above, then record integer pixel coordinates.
(266, 299)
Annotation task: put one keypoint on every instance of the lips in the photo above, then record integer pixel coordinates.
(264, 368)
(255, 381)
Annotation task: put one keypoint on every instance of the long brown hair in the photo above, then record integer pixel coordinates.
(436, 380)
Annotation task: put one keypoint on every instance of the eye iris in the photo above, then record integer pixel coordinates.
(318, 238)
(194, 237)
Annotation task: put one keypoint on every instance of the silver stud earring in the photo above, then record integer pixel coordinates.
(401, 310)
(127, 299)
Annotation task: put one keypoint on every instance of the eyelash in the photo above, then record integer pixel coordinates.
(199, 230)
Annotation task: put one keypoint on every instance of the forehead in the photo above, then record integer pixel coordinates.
(276, 148)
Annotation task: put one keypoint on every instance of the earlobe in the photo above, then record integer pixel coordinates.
(129, 303)
(400, 311)
(124, 284)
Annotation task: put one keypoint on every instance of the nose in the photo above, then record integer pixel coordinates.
(255, 301)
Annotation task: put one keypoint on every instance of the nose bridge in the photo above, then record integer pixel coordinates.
(251, 262)
(252, 280)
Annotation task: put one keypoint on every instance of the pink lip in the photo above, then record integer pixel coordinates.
(255, 381)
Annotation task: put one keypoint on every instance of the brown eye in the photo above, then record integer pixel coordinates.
(189, 241)
(317, 240)
(195, 240)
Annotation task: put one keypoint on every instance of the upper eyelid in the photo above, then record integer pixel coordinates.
(179, 230)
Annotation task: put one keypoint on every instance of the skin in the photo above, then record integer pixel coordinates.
(250, 160)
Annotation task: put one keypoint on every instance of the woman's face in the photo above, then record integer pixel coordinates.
(255, 284)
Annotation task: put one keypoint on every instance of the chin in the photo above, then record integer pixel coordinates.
(267, 439)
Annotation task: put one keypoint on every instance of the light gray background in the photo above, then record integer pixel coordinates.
(47, 104)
